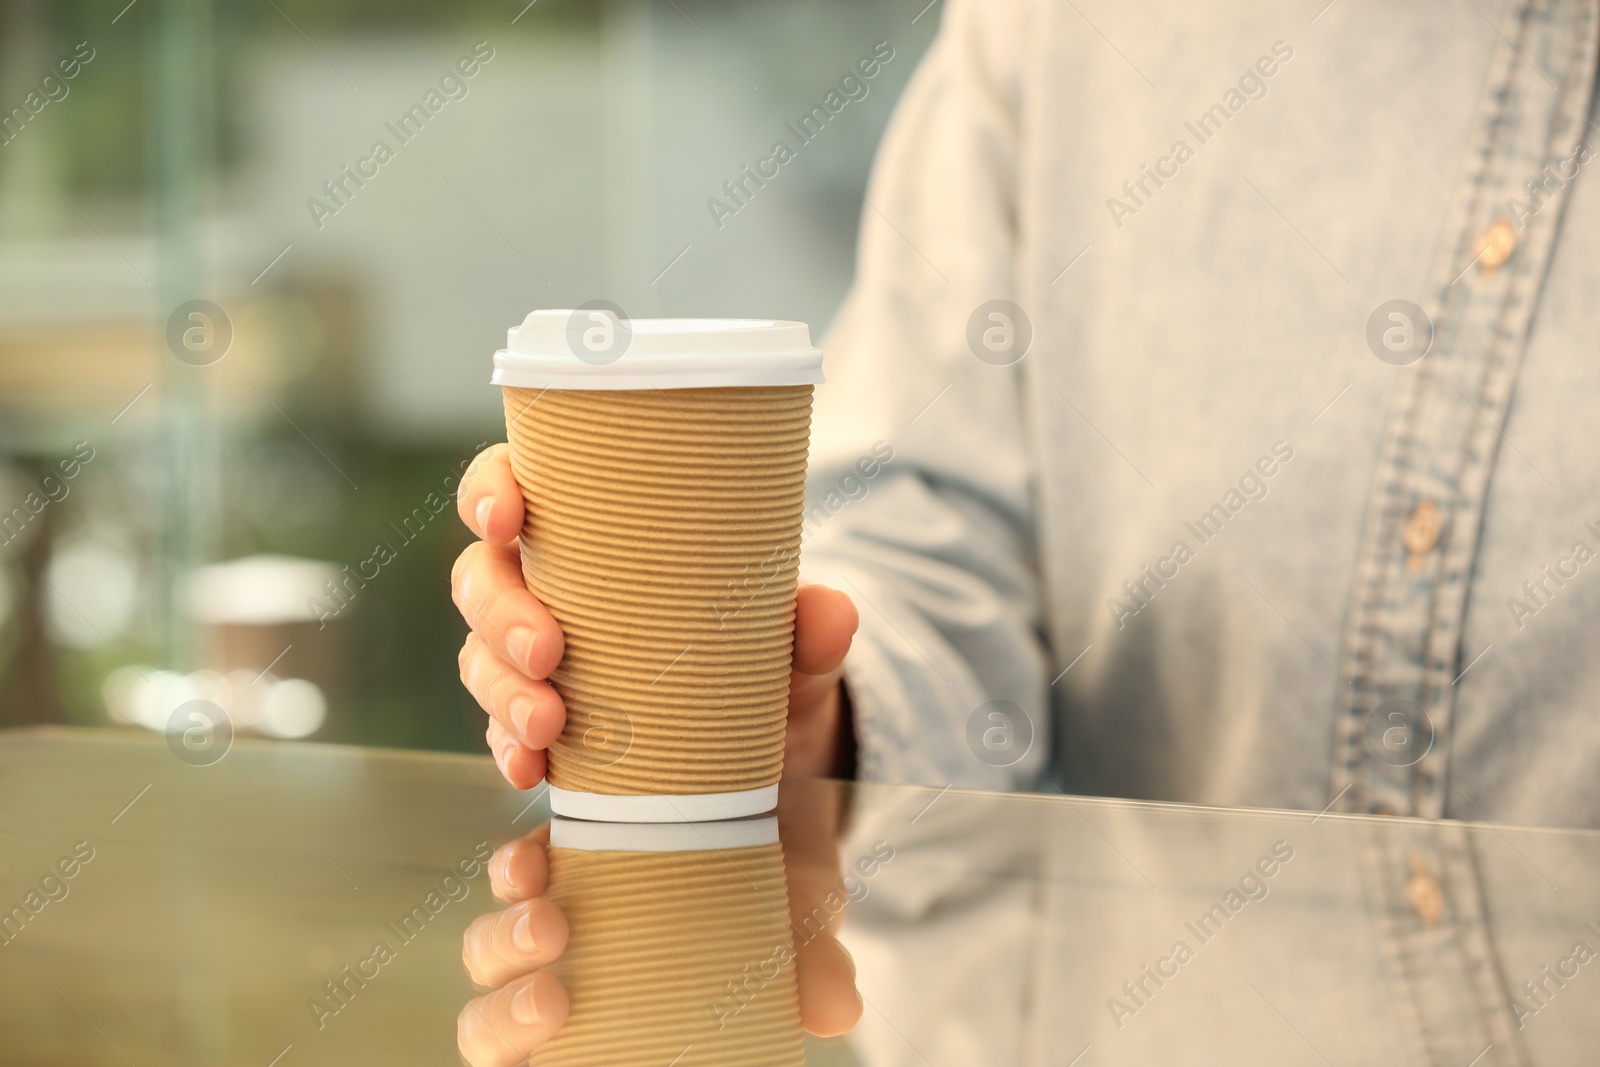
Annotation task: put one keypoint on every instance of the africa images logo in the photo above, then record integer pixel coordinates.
(742, 188)
(341, 189)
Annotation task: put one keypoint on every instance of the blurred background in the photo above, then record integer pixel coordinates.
(244, 350)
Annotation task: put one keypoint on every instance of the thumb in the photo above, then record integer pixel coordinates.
(825, 622)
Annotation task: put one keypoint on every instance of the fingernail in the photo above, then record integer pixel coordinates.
(520, 640)
(523, 1007)
(522, 933)
(485, 506)
(520, 711)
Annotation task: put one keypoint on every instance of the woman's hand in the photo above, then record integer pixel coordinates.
(515, 643)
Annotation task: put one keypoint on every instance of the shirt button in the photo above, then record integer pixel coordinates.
(1495, 245)
(1423, 893)
(1421, 531)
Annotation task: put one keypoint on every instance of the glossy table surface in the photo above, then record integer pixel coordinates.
(160, 912)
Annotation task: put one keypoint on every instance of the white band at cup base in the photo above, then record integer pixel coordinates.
(587, 836)
(695, 807)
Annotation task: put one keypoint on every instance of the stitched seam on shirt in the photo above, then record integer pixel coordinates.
(1384, 906)
(1498, 384)
(1481, 961)
(1397, 461)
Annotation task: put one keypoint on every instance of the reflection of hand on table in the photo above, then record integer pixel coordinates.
(810, 819)
(507, 951)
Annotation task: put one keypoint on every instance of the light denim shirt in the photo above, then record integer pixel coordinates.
(1012, 933)
(1217, 531)
(1271, 478)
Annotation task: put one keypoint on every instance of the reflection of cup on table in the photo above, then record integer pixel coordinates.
(662, 463)
(680, 950)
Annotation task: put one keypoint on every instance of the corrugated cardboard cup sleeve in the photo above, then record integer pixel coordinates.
(662, 531)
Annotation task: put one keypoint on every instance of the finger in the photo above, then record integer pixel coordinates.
(825, 975)
(504, 1028)
(807, 696)
(531, 710)
(487, 587)
(814, 734)
(489, 500)
(809, 815)
(521, 869)
(503, 945)
(808, 822)
(520, 765)
(824, 622)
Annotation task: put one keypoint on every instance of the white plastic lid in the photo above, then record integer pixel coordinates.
(595, 348)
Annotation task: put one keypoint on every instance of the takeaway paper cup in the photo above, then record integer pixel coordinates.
(662, 463)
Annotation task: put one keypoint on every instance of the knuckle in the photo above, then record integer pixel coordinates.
(495, 690)
(472, 677)
(475, 468)
(472, 957)
(463, 561)
(489, 599)
(468, 1028)
(504, 946)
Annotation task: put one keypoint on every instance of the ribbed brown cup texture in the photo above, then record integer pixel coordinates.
(663, 533)
(675, 951)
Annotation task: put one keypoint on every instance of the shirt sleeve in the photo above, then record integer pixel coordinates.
(919, 504)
